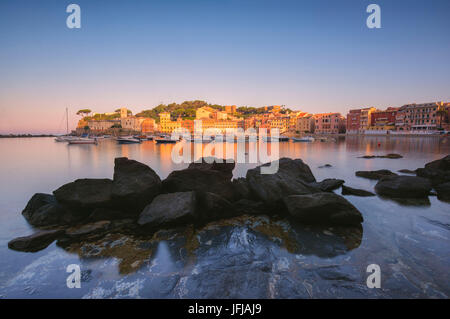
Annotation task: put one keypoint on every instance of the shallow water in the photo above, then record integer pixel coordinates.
(248, 257)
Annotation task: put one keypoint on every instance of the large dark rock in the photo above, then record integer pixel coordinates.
(241, 188)
(212, 163)
(110, 214)
(89, 230)
(391, 155)
(134, 184)
(437, 171)
(403, 187)
(375, 174)
(200, 180)
(328, 184)
(169, 209)
(443, 191)
(346, 190)
(250, 207)
(293, 177)
(213, 207)
(86, 194)
(442, 164)
(323, 209)
(35, 242)
(44, 210)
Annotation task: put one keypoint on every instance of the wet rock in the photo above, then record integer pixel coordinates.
(442, 164)
(251, 207)
(326, 165)
(224, 166)
(90, 230)
(200, 180)
(241, 188)
(375, 174)
(407, 171)
(169, 209)
(346, 190)
(293, 177)
(391, 155)
(86, 194)
(44, 210)
(134, 184)
(403, 187)
(443, 191)
(213, 207)
(35, 242)
(323, 209)
(329, 184)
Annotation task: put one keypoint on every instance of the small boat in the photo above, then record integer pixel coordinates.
(65, 138)
(303, 139)
(143, 137)
(165, 140)
(83, 140)
(283, 138)
(128, 140)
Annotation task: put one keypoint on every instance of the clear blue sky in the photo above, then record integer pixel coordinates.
(314, 55)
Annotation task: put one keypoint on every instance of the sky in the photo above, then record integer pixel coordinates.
(313, 55)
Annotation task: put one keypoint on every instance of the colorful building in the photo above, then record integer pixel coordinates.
(329, 123)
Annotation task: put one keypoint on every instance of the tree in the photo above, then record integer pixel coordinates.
(84, 112)
(441, 111)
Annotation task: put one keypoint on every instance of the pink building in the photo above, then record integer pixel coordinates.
(329, 123)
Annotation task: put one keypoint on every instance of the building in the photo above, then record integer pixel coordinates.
(96, 126)
(204, 112)
(420, 118)
(166, 125)
(329, 123)
(230, 109)
(131, 123)
(280, 122)
(383, 120)
(359, 120)
(305, 123)
(148, 126)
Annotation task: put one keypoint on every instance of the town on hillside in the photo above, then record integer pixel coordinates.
(425, 118)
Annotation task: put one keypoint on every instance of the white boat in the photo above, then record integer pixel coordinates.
(128, 140)
(303, 139)
(164, 140)
(65, 138)
(83, 140)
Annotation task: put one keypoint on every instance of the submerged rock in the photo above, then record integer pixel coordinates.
(390, 155)
(403, 186)
(346, 190)
(169, 209)
(407, 171)
(134, 184)
(293, 178)
(326, 165)
(44, 210)
(323, 209)
(375, 174)
(328, 184)
(36, 241)
(86, 194)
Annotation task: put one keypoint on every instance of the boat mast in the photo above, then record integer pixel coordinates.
(67, 121)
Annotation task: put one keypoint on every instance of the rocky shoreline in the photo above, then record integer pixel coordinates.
(136, 201)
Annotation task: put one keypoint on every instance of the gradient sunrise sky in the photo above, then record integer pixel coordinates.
(314, 55)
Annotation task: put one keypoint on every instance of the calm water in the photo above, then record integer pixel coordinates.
(254, 257)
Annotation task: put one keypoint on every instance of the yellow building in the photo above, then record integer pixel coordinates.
(204, 112)
(166, 125)
(305, 123)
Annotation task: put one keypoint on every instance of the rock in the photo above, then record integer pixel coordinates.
(213, 207)
(134, 184)
(90, 230)
(109, 214)
(407, 171)
(443, 191)
(200, 180)
(403, 186)
(375, 174)
(323, 209)
(85, 194)
(169, 209)
(44, 210)
(391, 155)
(212, 163)
(442, 164)
(326, 165)
(293, 177)
(251, 207)
(241, 188)
(35, 242)
(354, 191)
(437, 171)
(328, 184)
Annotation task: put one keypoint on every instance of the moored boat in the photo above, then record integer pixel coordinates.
(83, 140)
(303, 139)
(128, 140)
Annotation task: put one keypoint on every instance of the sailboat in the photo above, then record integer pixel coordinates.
(67, 137)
